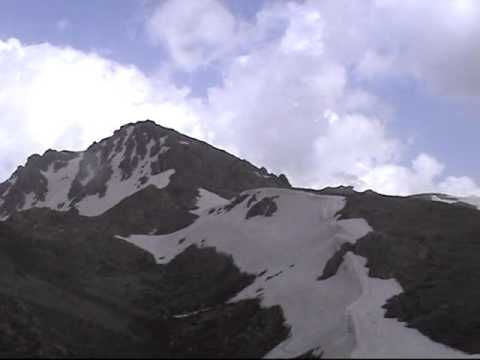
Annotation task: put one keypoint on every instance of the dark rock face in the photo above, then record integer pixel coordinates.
(144, 149)
(236, 201)
(339, 190)
(432, 249)
(199, 278)
(29, 179)
(332, 266)
(28, 330)
(265, 207)
(68, 292)
(241, 330)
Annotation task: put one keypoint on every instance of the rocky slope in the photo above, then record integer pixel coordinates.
(333, 276)
(232, 262)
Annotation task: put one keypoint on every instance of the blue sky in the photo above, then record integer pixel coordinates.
(370, 93)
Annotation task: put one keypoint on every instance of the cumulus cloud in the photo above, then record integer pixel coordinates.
(459, 186)
(420, 177)
(433, 41)
(64, 98)
(196, 32)
(292, 104)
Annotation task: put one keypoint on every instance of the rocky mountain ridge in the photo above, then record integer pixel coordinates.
(139, 157)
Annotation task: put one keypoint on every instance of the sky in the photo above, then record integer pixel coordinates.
(378, 94)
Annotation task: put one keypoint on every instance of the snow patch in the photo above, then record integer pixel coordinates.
(292, 246)
(90, 174)
(118, 189)
(12, 181)
(207, 200)
(379, 337)
(339, 317)
(59, 184)
(444, 200)
(163, 150)
(29, 202)
(471, 200)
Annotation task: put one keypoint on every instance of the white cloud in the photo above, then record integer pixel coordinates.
(64, 98)
(196, 32)
(373, 65)
(291, 104)
(421, 176)
(460, 186)
(434, 41)
(272, 106)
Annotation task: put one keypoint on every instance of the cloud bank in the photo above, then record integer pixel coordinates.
(293, 95)
(63, 98)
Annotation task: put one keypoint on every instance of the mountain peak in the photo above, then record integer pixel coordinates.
(136, 156)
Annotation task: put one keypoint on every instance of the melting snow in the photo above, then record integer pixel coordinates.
(341, 316)
(163, 150)
(379, 337)
(11, 182)
(59, 183)
(472, 200)
(207, 200)
(118, 189)
(445, 200)
(30, 201)
(90, 174)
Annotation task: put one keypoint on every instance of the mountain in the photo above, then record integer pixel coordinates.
(151, 244)
(142, 173)
(335, 264)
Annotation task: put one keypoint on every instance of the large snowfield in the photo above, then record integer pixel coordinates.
(338, 317)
